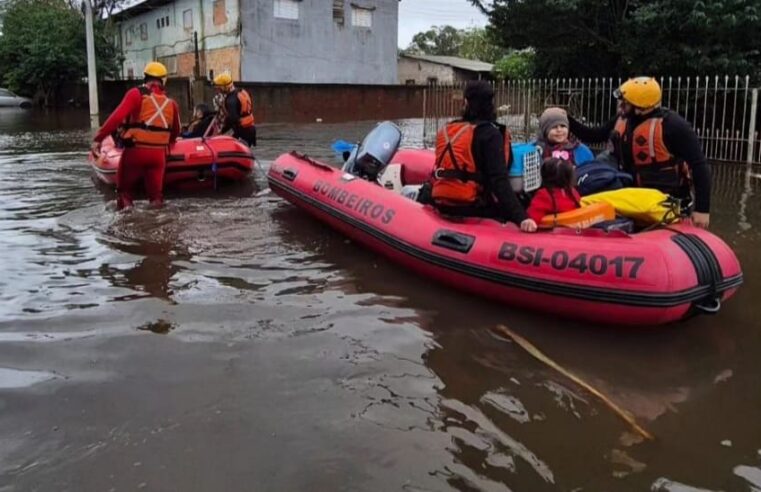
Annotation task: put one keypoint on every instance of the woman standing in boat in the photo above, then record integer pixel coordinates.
(655, 145)
(472, 162)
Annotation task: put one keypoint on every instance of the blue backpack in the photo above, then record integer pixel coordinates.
(595, 177)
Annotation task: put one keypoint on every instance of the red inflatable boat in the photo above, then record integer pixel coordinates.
(190, 163)
(647, 278)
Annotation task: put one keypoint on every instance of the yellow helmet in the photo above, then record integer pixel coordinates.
(223, 80)
(640, 92)
(155, 69)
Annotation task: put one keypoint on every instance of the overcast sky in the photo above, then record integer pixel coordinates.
(420, 15)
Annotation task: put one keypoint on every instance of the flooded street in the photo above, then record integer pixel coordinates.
(230, 342)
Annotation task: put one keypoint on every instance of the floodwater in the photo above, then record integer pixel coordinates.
(229, 342)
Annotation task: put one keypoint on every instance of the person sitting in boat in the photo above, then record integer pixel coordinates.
(472, 159)
(555, 140)
(558, 193)
(237, 110)
(655, 145)
(202, 118)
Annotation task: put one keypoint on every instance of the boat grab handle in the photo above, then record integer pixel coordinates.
(455, 241)
(289, 174)
(711, 306)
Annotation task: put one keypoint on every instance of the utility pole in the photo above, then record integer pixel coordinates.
(92, 77)
(197, 67)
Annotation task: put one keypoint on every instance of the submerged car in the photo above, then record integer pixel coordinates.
(10, 100)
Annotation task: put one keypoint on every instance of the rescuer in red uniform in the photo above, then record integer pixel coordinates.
(147, 122)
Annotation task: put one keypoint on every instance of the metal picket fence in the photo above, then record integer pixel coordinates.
(722, 109)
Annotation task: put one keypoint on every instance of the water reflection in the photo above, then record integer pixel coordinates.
(15, 378)
(153, 237)
(504, 410)
(301, 360)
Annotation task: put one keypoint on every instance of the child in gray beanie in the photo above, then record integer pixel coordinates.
(550, 119)
(555, 141)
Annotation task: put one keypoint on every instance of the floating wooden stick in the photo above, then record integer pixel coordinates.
(531, 349)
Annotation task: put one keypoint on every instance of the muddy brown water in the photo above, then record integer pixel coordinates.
(229, 342)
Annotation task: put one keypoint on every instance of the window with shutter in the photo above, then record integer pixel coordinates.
(287, 9)
(338, 11)
(361, 17)
(220, 12)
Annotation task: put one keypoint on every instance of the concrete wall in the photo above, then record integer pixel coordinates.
(465, 75)
(215, 21)
(420, 71)
(276, 103)
(317, 48)
(332, 103)
(111, 92)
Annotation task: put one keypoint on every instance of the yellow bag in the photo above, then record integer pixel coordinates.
(643, 205)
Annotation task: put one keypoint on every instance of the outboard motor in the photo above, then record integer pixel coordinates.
(375, 151)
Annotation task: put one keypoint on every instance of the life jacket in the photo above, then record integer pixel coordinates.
(456, 179)
(653, 165)
(153, 125)
(246, 108)
(580, 218)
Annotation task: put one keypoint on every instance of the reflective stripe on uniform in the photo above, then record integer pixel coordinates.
(159, 111)
(651, 141)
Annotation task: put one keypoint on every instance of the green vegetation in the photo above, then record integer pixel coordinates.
(477, 44)
(620, 37)
(43, 45)
(439, 40)
(474, 44)
(516, 65)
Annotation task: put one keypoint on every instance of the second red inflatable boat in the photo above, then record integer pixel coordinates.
(192, 163)
(648, 278)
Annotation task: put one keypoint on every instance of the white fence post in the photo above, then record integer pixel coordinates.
(752, 126)
(425, 113)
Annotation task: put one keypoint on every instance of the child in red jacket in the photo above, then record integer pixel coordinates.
(557, 194)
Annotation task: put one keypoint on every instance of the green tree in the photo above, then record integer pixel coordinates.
(623, 37)
(439, 40)
(516, 65)
(570, 37)
(43, 46)
(477, 44)
(688, 37)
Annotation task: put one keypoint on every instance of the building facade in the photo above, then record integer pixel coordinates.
(166, 31)
(296, 41)
(429, 69)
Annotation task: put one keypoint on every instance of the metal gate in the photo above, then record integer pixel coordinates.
(722, 109)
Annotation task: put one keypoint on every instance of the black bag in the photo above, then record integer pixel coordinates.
(618, 224)
(595, 177)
